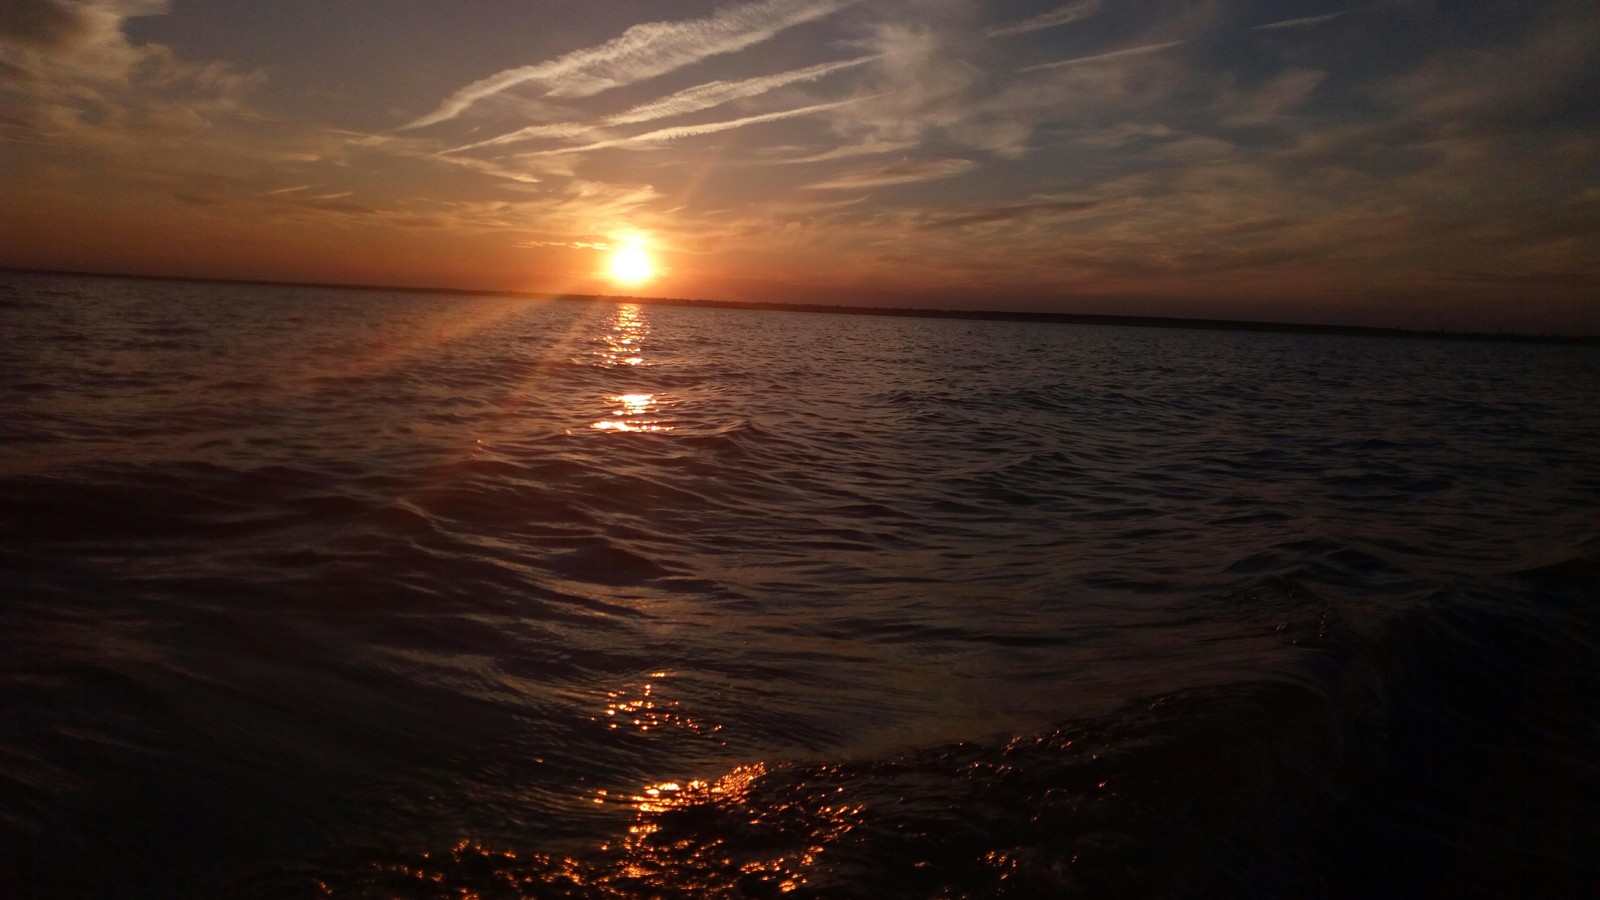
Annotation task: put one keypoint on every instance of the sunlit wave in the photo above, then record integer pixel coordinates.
(622, 345)
(634, 412)
(644, 707)
(658, 854)
(689, 838)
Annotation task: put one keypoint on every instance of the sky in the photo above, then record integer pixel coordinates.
(1412, 164)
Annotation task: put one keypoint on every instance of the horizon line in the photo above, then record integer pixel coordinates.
(1053, 318)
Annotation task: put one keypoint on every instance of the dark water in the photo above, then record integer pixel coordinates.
(317, 593)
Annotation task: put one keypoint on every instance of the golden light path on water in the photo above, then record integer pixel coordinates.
(655, 855)
(681, 837)
(623, 346)
(642, 707)
(626, 337)
(657, 860)
(720, 837)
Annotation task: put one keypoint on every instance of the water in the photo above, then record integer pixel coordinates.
(359, 594)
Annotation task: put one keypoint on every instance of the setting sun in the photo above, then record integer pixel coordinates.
(631, 265)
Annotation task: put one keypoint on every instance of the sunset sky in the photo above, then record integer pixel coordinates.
(1392, 163)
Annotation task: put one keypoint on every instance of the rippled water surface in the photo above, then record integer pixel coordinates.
(336, 593)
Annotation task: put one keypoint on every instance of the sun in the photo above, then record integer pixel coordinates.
(631, 265)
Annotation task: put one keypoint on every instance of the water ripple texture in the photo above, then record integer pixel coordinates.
(314, 592)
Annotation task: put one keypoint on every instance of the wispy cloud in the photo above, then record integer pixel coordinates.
(682, 131)
(488, 167)
(922, 85)
(1269, 100)
(716, 93)
(1299, 23)
(1008, 213)
(643, 51)
(74, 50)
(1056, 18)
(88, 32)
(1103, 57)
(866, 148)
(905, 171)
(570, 245)
(694, 99)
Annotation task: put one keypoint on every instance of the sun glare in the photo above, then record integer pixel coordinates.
(631, 265)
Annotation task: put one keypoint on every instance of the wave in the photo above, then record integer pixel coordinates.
(1447, 753)
(309, 593)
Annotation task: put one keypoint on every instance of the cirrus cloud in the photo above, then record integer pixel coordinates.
(641, 52)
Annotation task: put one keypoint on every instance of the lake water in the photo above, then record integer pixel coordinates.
(372, 594)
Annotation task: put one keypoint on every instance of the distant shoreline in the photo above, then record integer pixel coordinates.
(905, 312)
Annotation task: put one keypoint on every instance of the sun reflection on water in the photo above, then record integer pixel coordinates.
(731, 836)
(626, 337)
(633, 412)
(622, 345)
(735, 834)
(644, 708)
(669, 846)
(750, 831)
